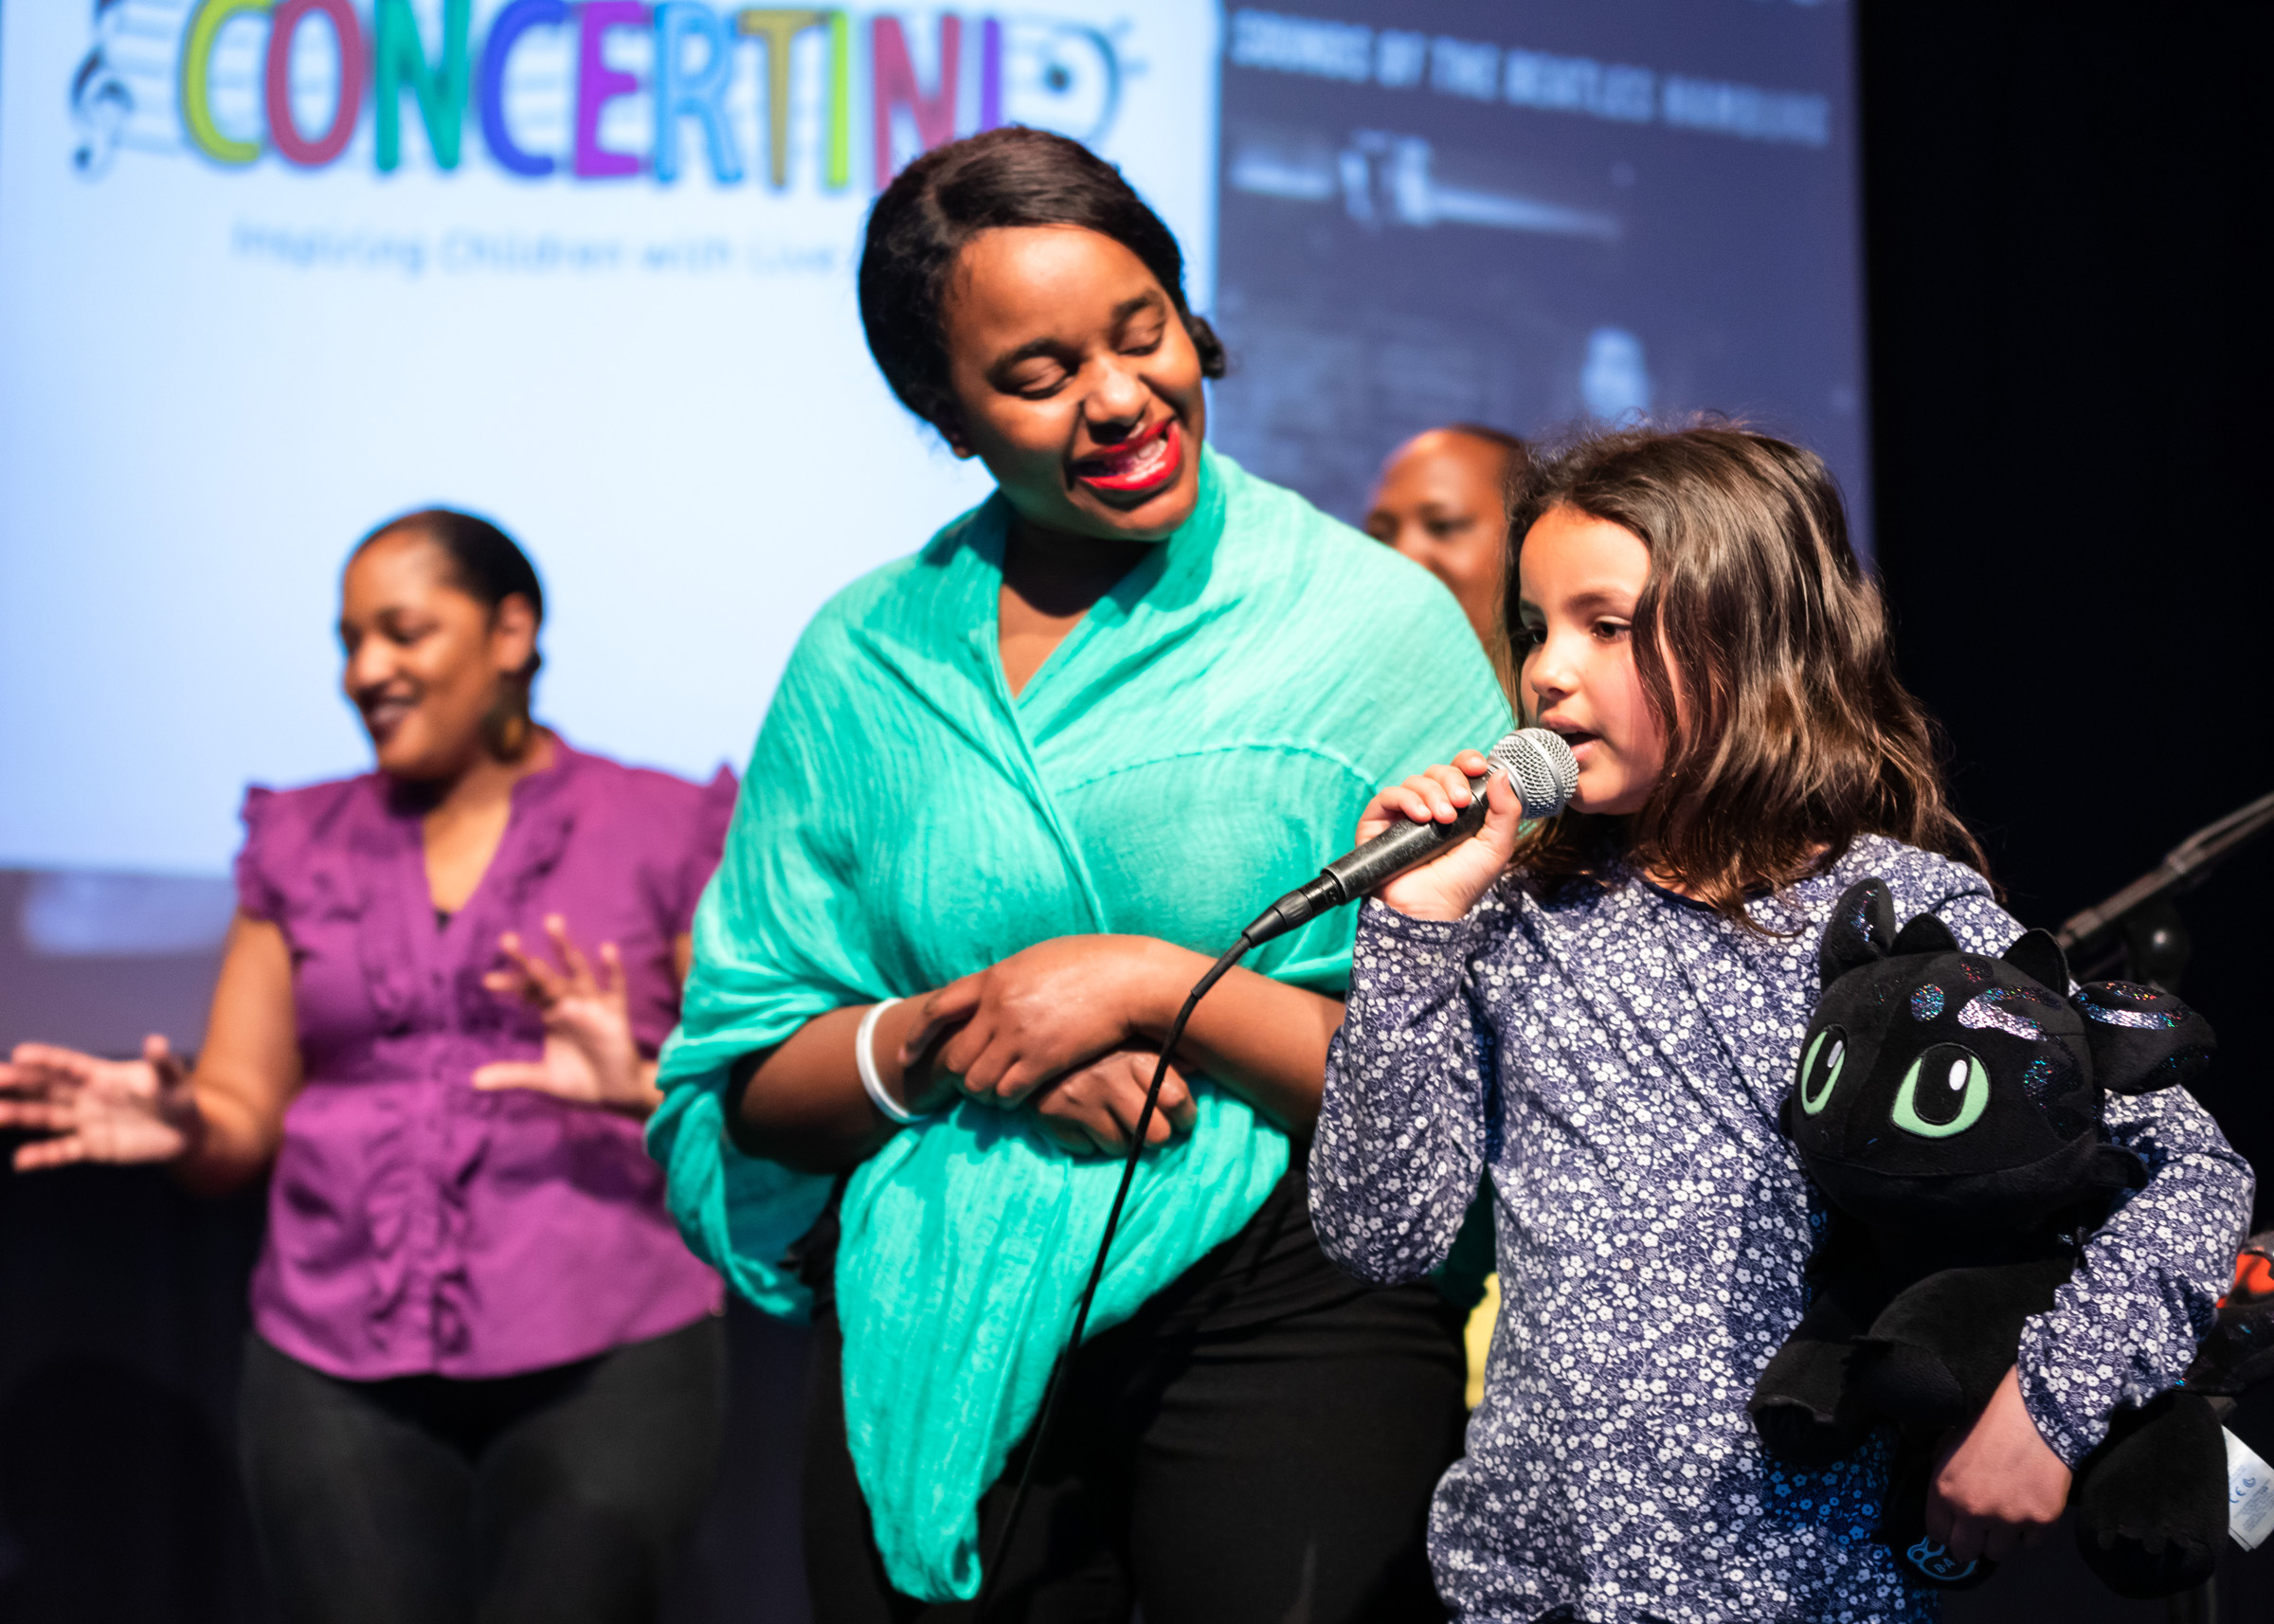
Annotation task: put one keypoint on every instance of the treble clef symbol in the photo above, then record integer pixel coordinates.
(101, 102)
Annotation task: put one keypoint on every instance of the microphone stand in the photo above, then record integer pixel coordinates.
(2139, 927)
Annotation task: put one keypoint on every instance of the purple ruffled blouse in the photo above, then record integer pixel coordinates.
(417, 1225)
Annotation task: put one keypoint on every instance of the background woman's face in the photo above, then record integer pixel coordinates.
(1075, 383)
(425, 661)
(1443, 503)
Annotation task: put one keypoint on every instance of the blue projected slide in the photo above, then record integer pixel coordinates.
(273, 269)
(1529, 214)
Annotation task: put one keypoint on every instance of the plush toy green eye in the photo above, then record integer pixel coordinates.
(1945, 1092)
(1820, 1068)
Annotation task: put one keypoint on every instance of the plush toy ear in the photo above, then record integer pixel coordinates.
(1928, 934)
(1861, 931)
(2040, 958)
(2141, 1039)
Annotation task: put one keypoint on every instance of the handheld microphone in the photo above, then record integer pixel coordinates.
(1537, 762)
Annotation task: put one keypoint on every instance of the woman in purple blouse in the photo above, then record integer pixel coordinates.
(484, 1374)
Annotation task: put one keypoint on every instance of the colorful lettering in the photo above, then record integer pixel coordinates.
(197, 65)
(399, 62)
(990, 73)
(347, 97)
(489, 94)
(702, 96)
(382, 53)
(896, 86)
(840, 101)
(597, 85)
(777, 27)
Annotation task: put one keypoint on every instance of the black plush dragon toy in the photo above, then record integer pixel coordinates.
(1948, 1107)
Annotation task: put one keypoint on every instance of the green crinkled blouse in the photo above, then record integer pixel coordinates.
(1197, 745)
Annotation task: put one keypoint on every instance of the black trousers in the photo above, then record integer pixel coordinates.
(1276, 1473)
(559, 1494)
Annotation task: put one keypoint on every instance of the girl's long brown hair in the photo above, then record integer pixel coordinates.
(1787, 734)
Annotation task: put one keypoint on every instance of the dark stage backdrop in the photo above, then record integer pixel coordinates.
(2068, 344)
(2066, 354)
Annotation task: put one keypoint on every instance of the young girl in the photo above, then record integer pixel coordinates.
(1604, 1014)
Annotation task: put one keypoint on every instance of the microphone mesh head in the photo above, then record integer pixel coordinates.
(1541, 767)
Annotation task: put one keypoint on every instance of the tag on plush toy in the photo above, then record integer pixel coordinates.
(2249, 1495)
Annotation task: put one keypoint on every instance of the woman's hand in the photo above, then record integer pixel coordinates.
(1449, 886)
(98, 1110)
(1094, 1108)
(1006, 1030)
(590, 1056)
(1997, 1485)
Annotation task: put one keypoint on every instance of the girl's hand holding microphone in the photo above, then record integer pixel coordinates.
(1448, 887)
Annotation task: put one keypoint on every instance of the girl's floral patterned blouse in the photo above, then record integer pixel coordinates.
(1614, 1061)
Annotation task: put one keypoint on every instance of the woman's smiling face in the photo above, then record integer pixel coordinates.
(1075, 383)
(425, 661)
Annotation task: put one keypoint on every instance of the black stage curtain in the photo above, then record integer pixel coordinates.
(2068, 426)
(2066, 388)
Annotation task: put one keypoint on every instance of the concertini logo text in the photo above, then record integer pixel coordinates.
(581, 90)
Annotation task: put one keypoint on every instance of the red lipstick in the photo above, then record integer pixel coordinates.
(1149, 461)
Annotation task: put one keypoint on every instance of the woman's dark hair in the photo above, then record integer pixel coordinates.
(1788, 732)
(1005, 177)
(484, 562)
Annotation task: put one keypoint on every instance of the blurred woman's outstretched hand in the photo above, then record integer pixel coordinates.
(93, 1110)
(590, 1056)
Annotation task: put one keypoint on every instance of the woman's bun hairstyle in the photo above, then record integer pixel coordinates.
(1010, 177)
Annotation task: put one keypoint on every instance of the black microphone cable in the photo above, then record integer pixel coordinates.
(1540, 764)
(1064, 1362)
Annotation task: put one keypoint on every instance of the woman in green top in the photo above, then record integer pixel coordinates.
(1012, 796)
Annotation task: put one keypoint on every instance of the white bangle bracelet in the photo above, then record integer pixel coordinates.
(866, 1061)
